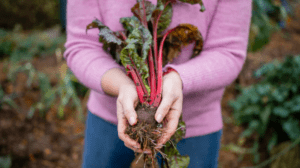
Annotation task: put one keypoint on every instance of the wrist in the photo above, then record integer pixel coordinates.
(169, 69)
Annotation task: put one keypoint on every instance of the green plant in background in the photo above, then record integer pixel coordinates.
(271, 106)
(21, 49)
(7, 99)
(5, 162)
(267, 17)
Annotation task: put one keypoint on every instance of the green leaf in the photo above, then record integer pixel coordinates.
(108, 36)
(112, 41)
(273, 141)
(130, 23)
(139, 39)
(263, 89)
(178, 161)
(44, 82)
(138, 10)
(237, 106)
(281, 111)
(251, 110)
(247, 133)
(165, 18)
(264, 117)
(253, 125)
(5, 162)
(291, 127)
(278, 96)
(30, 112)
(195, 2)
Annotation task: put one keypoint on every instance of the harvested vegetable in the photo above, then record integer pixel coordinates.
(136, 48)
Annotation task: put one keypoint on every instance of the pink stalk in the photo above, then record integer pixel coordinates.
(139, 78)
(155, 33)
(137, 83)
(159, 70)
(152, 77)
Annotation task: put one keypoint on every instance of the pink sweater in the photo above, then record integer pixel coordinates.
(224, 26)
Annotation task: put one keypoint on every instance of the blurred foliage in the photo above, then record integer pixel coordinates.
(21, 49)
(272, 105)
(267, 17)
(5, 162)
(29, 14)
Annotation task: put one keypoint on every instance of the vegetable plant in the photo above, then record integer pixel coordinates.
(143, 51)
(271, 106)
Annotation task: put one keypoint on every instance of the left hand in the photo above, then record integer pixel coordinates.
(170, 106)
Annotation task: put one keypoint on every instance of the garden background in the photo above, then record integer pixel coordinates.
(43, 106)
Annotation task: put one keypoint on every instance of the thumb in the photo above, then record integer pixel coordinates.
(163, 109)
(129, 112)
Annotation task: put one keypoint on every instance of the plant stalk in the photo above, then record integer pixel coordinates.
(159, 70)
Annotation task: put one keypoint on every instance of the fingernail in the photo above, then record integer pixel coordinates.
(159, 118)
(147, 152)
(131, 120)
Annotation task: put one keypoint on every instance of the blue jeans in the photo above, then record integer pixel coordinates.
(104, 149)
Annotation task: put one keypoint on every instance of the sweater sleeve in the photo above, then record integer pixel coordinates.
(84, 54)
(224, 49)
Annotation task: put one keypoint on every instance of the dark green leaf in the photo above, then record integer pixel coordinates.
(30, 112)
(235, 105)
(251, 110)
(263, 89)
(247, 133)
(165, 18)
(281, 111)
(178, 161)
(291, 127)
(195, 2)
(278, 96)
(129, 23)
(138, 10)
(273, 141)
(5, 162)
(106, 35)
(264, 116)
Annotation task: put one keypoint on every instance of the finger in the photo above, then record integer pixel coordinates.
(171, 127)
(163, 109)
(138, 150)
(122, 124)
(129, 112)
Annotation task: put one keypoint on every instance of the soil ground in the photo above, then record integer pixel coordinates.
(58, 143)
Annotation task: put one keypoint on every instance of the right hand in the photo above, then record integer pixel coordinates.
(126, 103)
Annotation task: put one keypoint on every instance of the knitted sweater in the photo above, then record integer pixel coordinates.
(224, 27)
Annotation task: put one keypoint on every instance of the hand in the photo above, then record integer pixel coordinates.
(126, 103)
(171, 105)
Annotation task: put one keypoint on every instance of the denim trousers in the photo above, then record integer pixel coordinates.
(104, 149)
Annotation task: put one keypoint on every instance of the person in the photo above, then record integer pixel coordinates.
(194, 88)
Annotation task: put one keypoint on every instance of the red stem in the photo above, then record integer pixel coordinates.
(152, 77)
(139, 78)
(159, 70)
(139, 89)
(155, 33)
